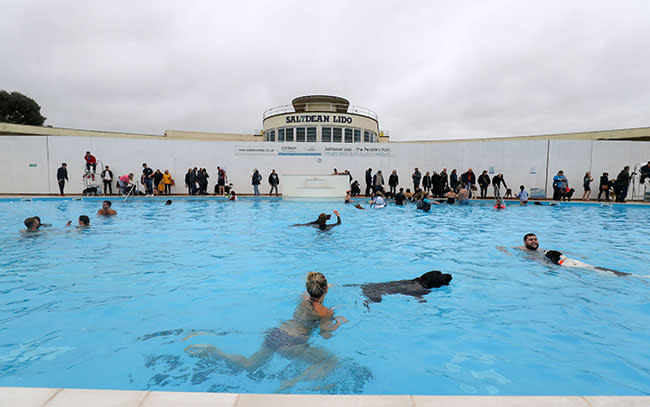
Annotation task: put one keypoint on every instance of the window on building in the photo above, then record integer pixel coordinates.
(311, 134)
(289, 134)
(280, 135)
(357, 135)
(337, 135)
(366, 136)
(348, 135)
(300, 134)
(373, 137)
(326, 136)
(272, 135)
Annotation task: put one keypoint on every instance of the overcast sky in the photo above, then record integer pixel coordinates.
(431, 69)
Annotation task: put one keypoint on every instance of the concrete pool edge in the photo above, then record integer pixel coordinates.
(37, 397)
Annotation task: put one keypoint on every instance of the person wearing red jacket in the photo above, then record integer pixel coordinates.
(91, 161)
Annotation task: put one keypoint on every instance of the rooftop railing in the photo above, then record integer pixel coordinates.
(353, 109)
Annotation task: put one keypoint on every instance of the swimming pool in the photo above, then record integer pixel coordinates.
(108, 307)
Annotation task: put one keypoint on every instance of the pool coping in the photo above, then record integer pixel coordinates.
(52, 397)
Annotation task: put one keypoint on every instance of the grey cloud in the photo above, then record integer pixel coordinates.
(429, 69)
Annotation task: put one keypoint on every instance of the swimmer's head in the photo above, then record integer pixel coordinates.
(530, 241)
(84, 220)
(169, 202)
(106, 205)
(316, 284)
(33, 223)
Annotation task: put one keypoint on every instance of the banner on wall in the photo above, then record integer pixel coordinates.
(292, 150)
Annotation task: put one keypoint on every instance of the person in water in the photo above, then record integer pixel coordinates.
(106, 209)
(321, 222)
(531, 247)
(291, 339)
(33, 224)
(378, 201)
(169, 202)
(82, 222)
(348, 197)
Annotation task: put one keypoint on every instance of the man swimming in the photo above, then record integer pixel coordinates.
(321, 222)
(290, 339)
(106, 209)
(82, 222)
(531, 247)
(33, 224)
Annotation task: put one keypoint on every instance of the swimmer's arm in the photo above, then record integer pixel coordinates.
(503, 249)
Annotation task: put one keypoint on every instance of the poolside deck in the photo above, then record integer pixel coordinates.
(53, 397)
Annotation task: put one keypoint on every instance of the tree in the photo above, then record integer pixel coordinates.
(19, 109)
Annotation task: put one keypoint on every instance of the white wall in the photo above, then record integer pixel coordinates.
(521, 162)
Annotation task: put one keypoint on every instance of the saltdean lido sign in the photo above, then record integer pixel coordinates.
(318, 118)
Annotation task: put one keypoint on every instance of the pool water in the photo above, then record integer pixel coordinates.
(109, 306)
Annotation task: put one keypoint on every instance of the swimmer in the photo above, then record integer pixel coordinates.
(33, 224)
(169, 202)
(232, 196)
(290, 339)
(499, 205)
(321, 222)
(451, 197)
(358, 206)
(523, 196)
(106, 209)
(83, 222)
(463, 196)
(378, 201)
(348, 197)
(531, 247)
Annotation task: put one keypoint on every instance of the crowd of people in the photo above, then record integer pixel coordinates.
(433, 184)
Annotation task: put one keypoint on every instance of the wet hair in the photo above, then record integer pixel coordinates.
(316, 284)
(169, 202)
(84, 219)
(29, 222)
(322, 220)
(108, 203)
(527, 235)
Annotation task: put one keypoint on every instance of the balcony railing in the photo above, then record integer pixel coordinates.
(353, 109)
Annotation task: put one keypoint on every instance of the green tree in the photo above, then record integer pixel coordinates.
(19, 109)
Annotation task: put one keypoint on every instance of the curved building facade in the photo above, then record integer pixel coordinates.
(321, 119)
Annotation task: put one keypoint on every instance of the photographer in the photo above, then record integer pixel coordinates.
(645, 172)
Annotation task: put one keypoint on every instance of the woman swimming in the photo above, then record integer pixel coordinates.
(321, 222)
(291, 338)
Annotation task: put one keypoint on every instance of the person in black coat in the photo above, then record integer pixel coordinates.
(484, 183)
(426, 182)
(190, 181)
(393, 181)
(444, 182)
(435, 184)
(62, 176)
(274, 181)
(107, 178)
(604, 186)
(368, 181)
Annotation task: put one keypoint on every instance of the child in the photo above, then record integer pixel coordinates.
(523, 196)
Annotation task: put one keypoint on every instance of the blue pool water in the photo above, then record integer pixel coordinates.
(108, 307)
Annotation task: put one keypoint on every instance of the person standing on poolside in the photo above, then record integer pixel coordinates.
(189, 181)
(157, 180)
(416, 179)
(622, 184)
(222, 180)
(378, 182)
(444, 182)
(497, 181)
(560, 184)
(147, 178)
(484, 183)
(107, 179)
(256, 180)
(586, 184)
(274, 181)
(368, 181)
(106, 209)
(167, 182)
(62, 176)
(453, 180)
(393, 181)
(426, 182)
(604, 186)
